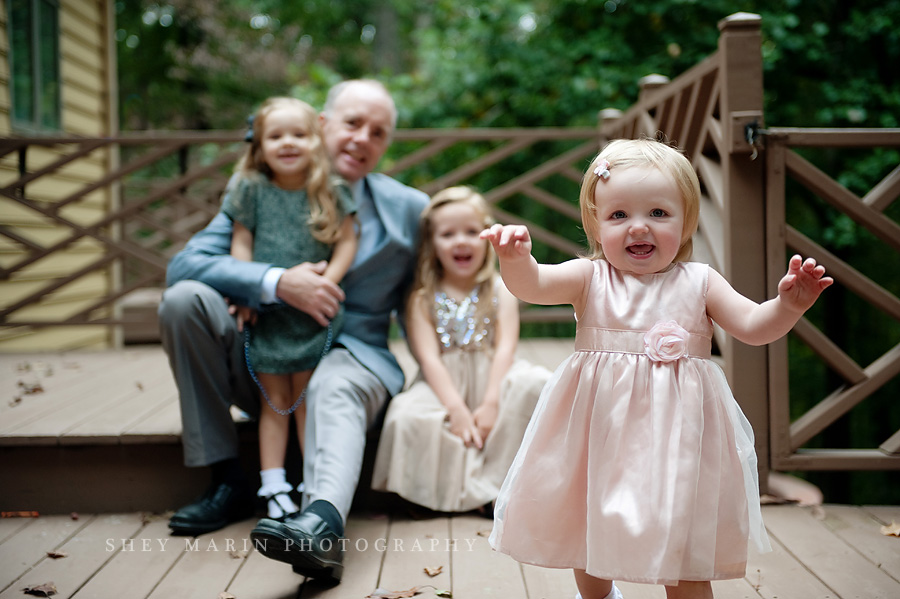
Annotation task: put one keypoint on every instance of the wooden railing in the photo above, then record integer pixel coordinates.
(855, 382)
(714, 112)
(156, 215)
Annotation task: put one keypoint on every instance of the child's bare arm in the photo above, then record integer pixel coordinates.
(343, 253)
(758, 324)
(505, 342)
(545, 284)
(242, 249)
(241, 242)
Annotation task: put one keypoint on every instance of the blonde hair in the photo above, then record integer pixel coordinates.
(324, 221)
(429, 270)
(626, 153)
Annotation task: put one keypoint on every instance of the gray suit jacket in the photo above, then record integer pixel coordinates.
(375, 285)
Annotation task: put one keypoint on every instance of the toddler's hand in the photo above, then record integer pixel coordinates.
(509, 241)
(244, 316)
(803, 283)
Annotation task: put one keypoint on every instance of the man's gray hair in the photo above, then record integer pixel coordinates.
(337, 89)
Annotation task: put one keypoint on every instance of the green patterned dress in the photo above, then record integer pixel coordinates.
(284, 339)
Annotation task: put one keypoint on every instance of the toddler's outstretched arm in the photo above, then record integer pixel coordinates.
(545, 284)
(758, 324)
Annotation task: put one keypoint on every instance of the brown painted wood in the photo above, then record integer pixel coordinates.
(206, 566)
(482, 572)
(779, 574)
(366, 551)
(29, 544)
(412, 546)
(836, 563)
(862, 530)
(86, 554)
(136, 563)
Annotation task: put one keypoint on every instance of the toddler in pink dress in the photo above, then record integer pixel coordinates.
(638, 464)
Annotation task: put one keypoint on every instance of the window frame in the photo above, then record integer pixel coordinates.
(39, 119)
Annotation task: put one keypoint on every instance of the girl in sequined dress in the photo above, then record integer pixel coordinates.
(450, 438)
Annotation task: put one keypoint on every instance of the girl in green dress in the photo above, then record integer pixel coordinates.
(287, 209)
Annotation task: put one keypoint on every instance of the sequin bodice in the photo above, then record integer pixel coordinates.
(458, 325)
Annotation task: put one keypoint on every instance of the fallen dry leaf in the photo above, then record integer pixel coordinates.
(57, 554)
(434, 570)
(238, 554)
(15, 401)
(20, 514)
(42, 590)
(383, 594)
(139, 385)
(31, 388)
(484, 533)
(891, 530)
(443, 593)
(226, 595)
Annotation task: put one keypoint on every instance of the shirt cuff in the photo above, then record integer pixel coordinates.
(267, 294)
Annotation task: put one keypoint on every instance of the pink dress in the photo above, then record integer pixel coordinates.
(637, 465)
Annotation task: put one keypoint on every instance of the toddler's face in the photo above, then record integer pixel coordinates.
(640, 218)
(457, 245)
(286, 146)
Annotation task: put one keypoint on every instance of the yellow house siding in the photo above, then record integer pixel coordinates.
(86, 71)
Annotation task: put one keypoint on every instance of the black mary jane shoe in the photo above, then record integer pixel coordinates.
(283, 517)
(304, 541)
(219, 506)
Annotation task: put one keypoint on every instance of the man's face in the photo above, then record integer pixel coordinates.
(357, 131)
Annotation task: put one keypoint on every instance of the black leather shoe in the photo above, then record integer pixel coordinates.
(306, 542)
(221, 505)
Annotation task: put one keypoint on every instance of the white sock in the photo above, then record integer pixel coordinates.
(275, 485)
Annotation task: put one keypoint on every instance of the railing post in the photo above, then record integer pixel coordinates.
(744, 224)
(651, 82)
(607, 116)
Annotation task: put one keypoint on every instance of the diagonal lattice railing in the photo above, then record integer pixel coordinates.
(852, 383)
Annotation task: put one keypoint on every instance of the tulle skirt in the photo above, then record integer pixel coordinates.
(634, 470)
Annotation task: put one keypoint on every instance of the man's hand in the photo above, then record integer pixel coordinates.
(303, 287)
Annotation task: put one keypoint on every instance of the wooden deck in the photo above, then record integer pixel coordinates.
(92, 442)
(830, 552)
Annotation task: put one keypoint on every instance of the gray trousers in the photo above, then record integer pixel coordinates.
(206, 354)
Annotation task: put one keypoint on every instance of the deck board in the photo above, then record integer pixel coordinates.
(137, 564)
(207, 570)
(833, 561)
(107, 558)
(86, 554)
(482, 572)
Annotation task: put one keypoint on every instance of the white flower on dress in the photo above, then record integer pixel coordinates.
(666, 341)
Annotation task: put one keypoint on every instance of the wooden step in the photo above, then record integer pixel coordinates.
(101, 431)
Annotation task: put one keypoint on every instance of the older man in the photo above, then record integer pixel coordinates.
(351, 384)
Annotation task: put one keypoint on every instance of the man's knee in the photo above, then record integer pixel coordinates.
(181, 300)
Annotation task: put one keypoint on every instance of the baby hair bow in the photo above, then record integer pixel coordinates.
(602, 169)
